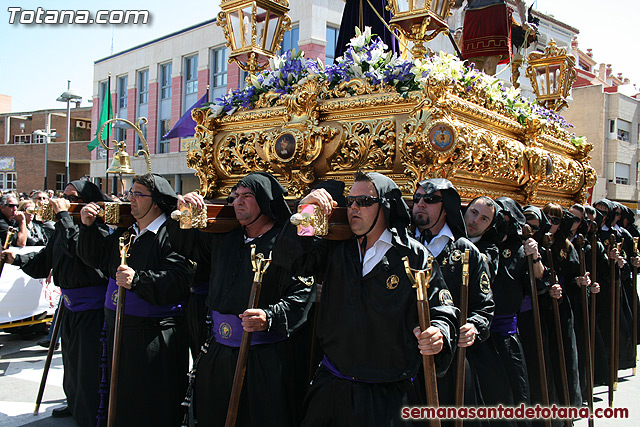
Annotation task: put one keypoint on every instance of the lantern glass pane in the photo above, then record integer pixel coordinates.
(236, 34)
(541, 78)
(246, 26)
(272, 25)
(554, 78)
(261, 19)
(418, 4)
(403, 5)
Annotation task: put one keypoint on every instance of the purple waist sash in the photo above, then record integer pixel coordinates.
(83, 299)
(227, 330)
(526, 304)
(136, 306)
(336, 373)
(505, 324)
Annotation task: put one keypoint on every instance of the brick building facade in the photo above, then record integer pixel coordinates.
(22, 150)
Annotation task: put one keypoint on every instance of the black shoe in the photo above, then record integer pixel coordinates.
(61, 412)
(46, 344)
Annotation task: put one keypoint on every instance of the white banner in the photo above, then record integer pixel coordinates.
(21, 296)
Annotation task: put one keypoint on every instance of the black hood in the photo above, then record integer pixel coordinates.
(336, 189)
(89, 191)
(545, 224)
(396, 211)
(269, 194)
(610, 206)
(163, 194)
(583, 228)
(511, 208)
(630, 215)
(450, 202)
(567, 222)
(492, 233)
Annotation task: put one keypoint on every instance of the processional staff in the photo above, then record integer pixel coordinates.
(124, 243)
(420, 280)
(634, 306)
(260, 265)
(542, 371)
(593, 230)
(462, 352)
(612, 320)
(548, 242)
(47, 362)
(11, 231)
(580, 243)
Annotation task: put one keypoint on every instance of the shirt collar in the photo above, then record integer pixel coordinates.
(153, 227)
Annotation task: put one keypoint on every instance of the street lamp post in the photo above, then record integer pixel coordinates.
(67, 97)
(47, 139)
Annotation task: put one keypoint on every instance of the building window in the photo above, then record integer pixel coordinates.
(290, 40)
(22, 139)
(122, 91)
(165, 81)
(332, 43)
(8, 181)
(218, 72)
(143, 87)
(163, 145)
(39, 139)
(624, 130)
(191, 82)
(622, 173)
(612, 126)
(59, 182)
(191, 74)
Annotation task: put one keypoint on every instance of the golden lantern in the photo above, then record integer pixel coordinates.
(254, 30)
(552, 74)
(419, 21)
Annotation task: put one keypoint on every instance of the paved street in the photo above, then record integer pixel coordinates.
(21, 366)
(22, 362)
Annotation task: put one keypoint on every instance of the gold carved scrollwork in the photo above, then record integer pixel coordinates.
(201, 154)
(237, 155)
(367, 145)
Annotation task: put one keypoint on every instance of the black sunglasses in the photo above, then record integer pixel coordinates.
(428, 199)
(534, 227)
(11, 205)
(74, 199)
(362, 201)
(555, 220)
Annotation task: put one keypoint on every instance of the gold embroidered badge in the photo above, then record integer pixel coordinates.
(456, 255)
(485, 283)
(308, 281)
(506, 253)
(445, 297)
(392, 282)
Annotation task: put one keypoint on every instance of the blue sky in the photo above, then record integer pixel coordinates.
(37, 60)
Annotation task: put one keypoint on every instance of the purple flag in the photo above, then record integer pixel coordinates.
(186, 127)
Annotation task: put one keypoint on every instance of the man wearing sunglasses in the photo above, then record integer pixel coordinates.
(10, 216)
(156, 280)
(439, 224)
(367, 321)
(272, 365)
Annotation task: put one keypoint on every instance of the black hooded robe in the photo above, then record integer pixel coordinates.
(271, 392)
(81, 327)
(154, 355)
(365, 323)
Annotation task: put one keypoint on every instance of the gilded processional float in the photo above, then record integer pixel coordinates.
(410, 119)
